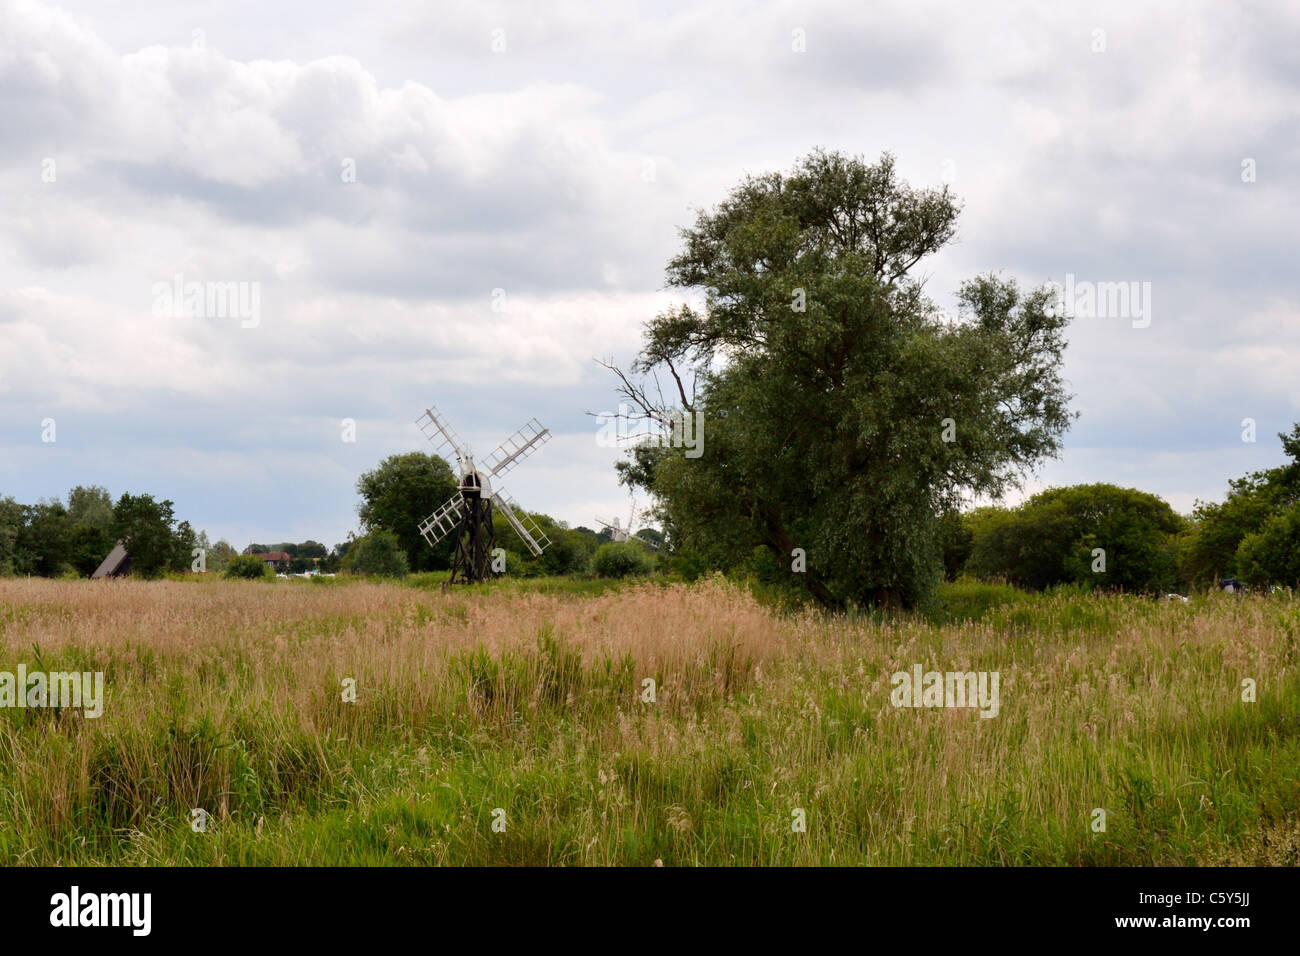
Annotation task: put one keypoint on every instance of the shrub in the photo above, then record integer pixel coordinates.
(248, 566)
(618, 559)
(688, 562)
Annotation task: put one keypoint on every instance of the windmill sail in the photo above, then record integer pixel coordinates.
(616, 531)
(527, 529)
(443, 521)
(441, 435)
(516, 448)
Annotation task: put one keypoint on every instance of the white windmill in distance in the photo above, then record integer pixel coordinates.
(619, 533)
(616, 531)
(468, 513)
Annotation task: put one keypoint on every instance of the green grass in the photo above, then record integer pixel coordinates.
(524, 698)
(576, 586)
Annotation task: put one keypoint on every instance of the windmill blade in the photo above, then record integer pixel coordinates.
(616, 533)
(516, 448)
(528, 530)
(443, 521)
(441, 435)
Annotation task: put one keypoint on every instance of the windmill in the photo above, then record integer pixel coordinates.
(618, 532)
(468, 513)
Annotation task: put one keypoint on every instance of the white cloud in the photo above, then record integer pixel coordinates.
(525, 171)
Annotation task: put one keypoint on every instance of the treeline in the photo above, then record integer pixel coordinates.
(57, 539)
(405, 489)
(1120, 538)
(1096, 535)
(54, 538)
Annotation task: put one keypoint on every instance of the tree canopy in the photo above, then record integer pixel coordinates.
(401, 492)
(378, 553)
(1217, 544)
(153, 539)
(841, 412)
(1098, 535)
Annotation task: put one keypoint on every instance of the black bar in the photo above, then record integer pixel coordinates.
(942, 908)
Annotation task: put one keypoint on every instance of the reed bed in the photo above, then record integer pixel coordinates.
(514, 725)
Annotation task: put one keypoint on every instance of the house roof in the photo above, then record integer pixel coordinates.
(275, 556)
(112, 564)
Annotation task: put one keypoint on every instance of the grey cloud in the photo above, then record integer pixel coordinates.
(522, 171)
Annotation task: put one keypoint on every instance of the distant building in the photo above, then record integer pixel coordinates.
(276, 560)
(1231, 585)
(116, 565)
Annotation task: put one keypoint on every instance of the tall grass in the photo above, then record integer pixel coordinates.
(227, 696)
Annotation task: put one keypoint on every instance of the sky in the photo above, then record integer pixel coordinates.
(466, 205)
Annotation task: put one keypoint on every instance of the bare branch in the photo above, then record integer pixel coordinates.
(636, 395)
(686, 403)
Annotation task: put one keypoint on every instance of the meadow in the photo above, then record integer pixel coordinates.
(512, 724)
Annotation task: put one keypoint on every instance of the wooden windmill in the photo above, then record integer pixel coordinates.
(468, 513)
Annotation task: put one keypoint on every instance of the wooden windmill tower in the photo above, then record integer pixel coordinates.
(468, 513)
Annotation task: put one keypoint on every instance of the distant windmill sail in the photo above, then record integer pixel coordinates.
(618, 532)
(468, 513)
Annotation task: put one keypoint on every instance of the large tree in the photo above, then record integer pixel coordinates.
(43, 542)
(841, 412)
(1221, 529)
(12, 519)
(400, 493)
(148, 530)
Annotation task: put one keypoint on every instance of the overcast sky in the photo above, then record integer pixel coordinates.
(541, 157)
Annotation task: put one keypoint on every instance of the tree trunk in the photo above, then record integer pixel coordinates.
(779, 540)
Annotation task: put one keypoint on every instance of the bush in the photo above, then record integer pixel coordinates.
(1272, 556)
(618, 559)
(379, 553)
(248, 566)
(688, 562)
(1052, 537)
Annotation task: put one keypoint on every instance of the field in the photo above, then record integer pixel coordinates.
(508, 725)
